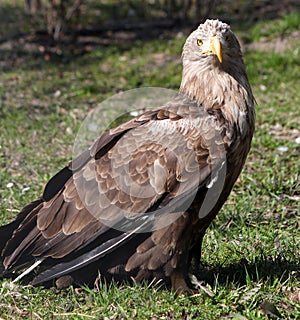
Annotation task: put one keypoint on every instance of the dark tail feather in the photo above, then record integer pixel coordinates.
(7, 231)
(81, 261)
(5, 234)
(86, 258)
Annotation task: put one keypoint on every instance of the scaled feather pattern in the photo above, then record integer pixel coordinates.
(138, 202)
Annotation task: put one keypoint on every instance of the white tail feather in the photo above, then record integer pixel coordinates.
(32, 267)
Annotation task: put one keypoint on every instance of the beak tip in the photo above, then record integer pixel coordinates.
(217, 48)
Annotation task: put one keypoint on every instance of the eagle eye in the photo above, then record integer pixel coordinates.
(199, 42)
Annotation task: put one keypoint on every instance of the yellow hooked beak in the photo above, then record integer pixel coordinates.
(216, 47)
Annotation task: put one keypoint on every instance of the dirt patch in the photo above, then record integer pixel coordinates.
(269, 9)
(282, 133)
(279, 44)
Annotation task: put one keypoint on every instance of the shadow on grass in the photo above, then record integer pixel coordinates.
(106, 24)
(240, 272)
(25, 43)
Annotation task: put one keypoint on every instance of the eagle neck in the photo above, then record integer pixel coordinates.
(218, 90)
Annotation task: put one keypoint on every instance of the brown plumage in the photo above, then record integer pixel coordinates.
(138, 202)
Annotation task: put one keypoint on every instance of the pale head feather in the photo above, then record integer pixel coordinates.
(213, 84)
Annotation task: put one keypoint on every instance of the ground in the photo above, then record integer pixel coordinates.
(250, 266)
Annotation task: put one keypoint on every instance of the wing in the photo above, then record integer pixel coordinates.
(153, 164)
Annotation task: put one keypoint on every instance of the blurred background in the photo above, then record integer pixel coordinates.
(76, 21)
(59, 59)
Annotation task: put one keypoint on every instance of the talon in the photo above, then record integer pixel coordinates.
(64, 282)
(179, 284)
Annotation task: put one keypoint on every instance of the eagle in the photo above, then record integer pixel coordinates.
(137, 203)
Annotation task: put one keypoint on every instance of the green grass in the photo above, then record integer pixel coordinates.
(275, 28)
(251, 251)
